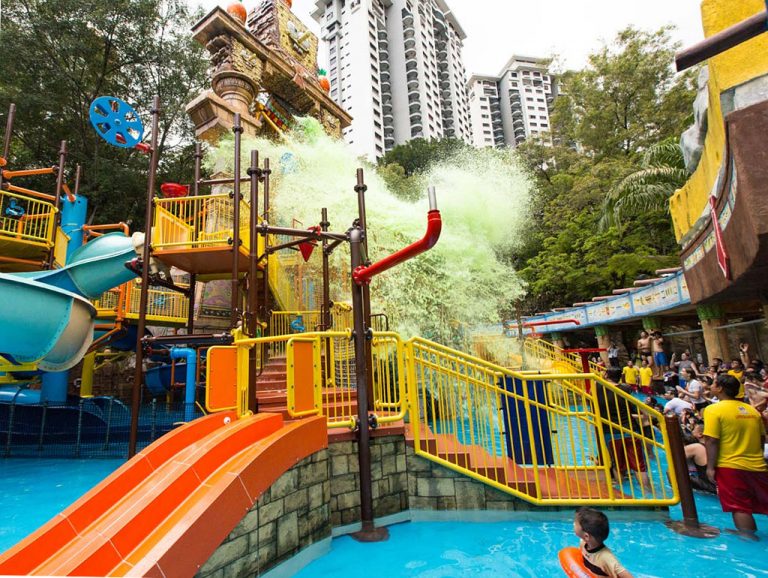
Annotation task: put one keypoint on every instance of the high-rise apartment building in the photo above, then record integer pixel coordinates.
(396, 66)
(513, 106)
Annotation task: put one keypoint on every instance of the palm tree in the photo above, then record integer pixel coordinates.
(648, 189)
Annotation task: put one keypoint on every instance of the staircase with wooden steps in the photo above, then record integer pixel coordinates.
(273, 397)
(554, 482)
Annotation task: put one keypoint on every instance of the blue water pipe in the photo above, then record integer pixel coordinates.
(54, 385)
(190, 356)
(72, 220)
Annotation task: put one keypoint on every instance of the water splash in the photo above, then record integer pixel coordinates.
(483, 197)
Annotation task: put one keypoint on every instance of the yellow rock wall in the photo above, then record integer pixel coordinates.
(731, 68)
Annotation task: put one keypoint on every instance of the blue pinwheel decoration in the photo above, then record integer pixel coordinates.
(116, 122)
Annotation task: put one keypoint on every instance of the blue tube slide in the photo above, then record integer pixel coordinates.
(190, 356)
(46, 318)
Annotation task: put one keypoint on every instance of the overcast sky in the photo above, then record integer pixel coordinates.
(496, 29)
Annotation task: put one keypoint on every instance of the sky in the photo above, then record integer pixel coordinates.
(497, 29)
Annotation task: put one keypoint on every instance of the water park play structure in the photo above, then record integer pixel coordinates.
(286, 386)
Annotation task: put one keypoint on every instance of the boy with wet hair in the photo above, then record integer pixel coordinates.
(592, 528)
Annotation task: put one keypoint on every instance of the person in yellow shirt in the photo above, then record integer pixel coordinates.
(630, 375)
(737, 371)
(733, 436)
(646, 378)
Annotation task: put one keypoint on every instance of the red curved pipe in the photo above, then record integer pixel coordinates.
(363, 275)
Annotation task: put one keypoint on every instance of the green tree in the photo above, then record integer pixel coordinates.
(647, 190)
(627, 98)
(417, 155)
(67, 52)
(605, 126)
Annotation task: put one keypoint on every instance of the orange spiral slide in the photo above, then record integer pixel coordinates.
(165, 512)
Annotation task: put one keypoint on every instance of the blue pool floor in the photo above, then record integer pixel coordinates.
(528, 549)
(32, 491)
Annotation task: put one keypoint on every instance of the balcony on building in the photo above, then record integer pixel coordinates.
(383, 63)
(409, 42)
(411, 64)
(414, 107)
(411, 52)
(412, 75)
(388, 118)
(413, 84)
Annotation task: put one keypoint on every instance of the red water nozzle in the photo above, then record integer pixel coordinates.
(363, 275)
(143, 148)
(174, 190)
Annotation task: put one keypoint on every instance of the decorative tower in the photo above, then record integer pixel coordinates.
(266, 71)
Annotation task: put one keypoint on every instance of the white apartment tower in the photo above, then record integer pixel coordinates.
(513, 106)
(396, 66)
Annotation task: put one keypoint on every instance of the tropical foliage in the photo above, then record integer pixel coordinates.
(599, 213)
(647, 190)
(67, 52)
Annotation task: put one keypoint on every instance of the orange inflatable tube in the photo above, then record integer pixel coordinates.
(573, 563)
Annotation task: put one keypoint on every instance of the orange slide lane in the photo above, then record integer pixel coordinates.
(167, 510)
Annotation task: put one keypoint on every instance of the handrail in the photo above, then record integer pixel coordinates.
(538, 436)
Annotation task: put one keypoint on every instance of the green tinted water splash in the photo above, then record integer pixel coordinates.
(461, 283)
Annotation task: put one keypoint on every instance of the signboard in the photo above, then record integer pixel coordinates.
(666, 294)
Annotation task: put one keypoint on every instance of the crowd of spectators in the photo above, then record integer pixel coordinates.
(727, 453)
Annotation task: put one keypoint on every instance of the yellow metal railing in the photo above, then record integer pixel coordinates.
(26, 220)
(163, 305)
(198, 223)
(498, 349)
(543, 438)
(549, 438)
(293, 322)
(550, 356)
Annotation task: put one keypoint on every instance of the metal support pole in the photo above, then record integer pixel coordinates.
(193, 278)
(57, 199)
(360, 189)
(368, 533)
(11, 415)
(79, 438)
(325, 307)
(252, 316)
(238, 130)
(265, 301)
(722, 41)
(42, 426)
(690, 525)
(138, 373)
(9, 131)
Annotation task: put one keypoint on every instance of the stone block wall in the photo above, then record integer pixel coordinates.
(435, 487)
(322, 492)
(291, 515)
(388, 475)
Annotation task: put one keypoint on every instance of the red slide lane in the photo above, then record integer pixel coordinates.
(42, 544)
(172, 520)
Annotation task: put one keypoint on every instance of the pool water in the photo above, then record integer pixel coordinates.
(32, 491)
(528, 549)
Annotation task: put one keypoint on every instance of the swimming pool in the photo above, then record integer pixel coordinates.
(528, 549)
(32, 491)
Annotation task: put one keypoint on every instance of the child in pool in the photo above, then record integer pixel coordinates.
(591, 526)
